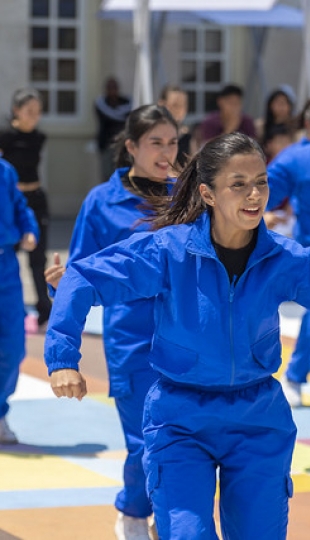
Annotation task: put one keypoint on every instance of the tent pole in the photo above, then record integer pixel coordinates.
(143, 88)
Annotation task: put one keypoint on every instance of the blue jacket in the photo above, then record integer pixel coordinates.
(289, 176)
(110, 214)
(16, 218)
(208, 332)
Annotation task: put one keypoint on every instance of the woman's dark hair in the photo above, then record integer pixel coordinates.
(269, 116)
(303, 116)
(278, 129)
(22, 96)
(186, 203)
(139, 122)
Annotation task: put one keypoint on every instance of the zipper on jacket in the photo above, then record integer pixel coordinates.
(231, 329)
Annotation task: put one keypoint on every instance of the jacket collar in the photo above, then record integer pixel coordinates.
(199, 241)
(116, 191)
(118, 194)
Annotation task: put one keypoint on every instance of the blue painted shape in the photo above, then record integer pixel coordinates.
(66, 427)
(94, 321)
(57, 498)
(110, 468)
(301, 417)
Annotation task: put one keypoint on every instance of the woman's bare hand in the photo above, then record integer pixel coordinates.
(28, 242)
(54, 273)
(69, 383)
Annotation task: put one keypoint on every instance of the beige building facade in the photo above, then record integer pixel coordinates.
(66, 51)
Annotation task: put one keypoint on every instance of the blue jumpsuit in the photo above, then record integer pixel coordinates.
(110, 214)
(216, 346)
(16, 219)
(289, 174)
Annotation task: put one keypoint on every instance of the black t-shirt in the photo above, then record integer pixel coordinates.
(144, 187)
(22, 150)
(111, 119)
(235, 260)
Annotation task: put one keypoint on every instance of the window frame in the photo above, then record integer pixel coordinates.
(53, 54)
(200, 56)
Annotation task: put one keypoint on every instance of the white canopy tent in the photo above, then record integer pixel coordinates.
(186, 5)
(258, 15)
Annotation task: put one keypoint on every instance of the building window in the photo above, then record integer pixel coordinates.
(203, 67)
(39, 69)
(67, 9)
(66, 101)
(40, 8)
(39, 37)
(66, 39)
(55, 54)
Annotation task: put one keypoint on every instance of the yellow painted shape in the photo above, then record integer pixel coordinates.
(301, 458)
(112, 454)
(30, 471)
(301, 483)
(286, 354)
(306, 399)
(103, 398)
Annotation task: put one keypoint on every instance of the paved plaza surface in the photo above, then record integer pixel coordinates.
(61, 480)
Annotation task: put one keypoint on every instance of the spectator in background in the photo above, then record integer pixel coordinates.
(176, 101)
(229, 117)
(278, 137)
(21, 143)
(302, 124)
(196, 141)
(279, 112)
(111, 111)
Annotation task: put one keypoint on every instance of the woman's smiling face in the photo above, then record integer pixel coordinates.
(155, 152)
(238, 198)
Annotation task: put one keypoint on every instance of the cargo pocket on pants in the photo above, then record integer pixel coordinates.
(289, 486)
(157, 496)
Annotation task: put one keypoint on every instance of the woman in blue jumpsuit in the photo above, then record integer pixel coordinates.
(218, 277)
(17, 224)
(289, 176)
(112, 212)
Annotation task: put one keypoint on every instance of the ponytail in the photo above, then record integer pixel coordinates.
(185, 205)
(121, 157)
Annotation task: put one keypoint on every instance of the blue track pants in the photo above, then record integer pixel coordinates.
(247, 434)
(133, 500)
(12, 333)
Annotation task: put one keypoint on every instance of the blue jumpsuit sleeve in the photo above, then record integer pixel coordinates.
(301, 283)
(281, 179)
(85, 240)
(126, 271)
(85, 236)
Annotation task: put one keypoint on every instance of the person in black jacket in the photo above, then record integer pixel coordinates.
(111, 110)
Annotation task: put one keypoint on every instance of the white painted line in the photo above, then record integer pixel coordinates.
(31, 388)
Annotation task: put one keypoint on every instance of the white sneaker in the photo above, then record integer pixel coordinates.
(6, 435)
(292, 391)
(130, 528)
